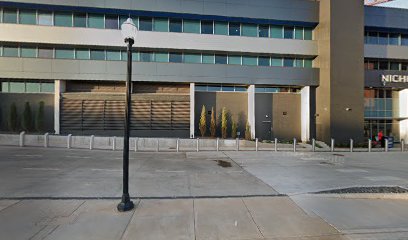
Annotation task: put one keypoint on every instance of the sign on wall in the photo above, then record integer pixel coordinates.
(394, 79)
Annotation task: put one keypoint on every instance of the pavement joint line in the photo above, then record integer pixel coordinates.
(131, 217)
(145, 198)
(27, 155)
(252, 218)
(43, 169)
(107, 170)
(11, 205)
(38, 232)
(194, 221)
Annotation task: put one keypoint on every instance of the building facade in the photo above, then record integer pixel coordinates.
(285, 68)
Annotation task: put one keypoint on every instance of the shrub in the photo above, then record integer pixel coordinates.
(224, 122)
(234, 129)
(39, 120)
(12, 118)
(203, 122)
(213, 125)
(27, 118)
(248, 132)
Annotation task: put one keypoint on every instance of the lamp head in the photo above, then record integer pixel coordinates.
(129, 30)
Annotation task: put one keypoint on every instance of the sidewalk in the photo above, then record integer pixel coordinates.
(229, 218)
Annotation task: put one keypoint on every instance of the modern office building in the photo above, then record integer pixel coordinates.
(289, 68)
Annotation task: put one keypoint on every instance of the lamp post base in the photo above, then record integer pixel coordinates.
(126, 204)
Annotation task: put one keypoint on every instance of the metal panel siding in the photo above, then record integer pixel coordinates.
(386, 51)
(382, 18)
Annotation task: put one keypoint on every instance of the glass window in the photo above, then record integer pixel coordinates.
(136, 56)
(161, 24)
(9, 15)
(112, 55)
(82, 53)
(111, 21)
(176, 25)
(299, 33)
(394, 39)
(45, 52)
(207, 27)
(308, 34)
(161, 57)
(17, 87)
(191, 26)
(79, 20)
(249, 60)
(263, 31)
(288, 32)
(5, 87)
(234, 60)
(45, 18)
(240, 89)
(288, 62)
(214, 88)
(10, 51)
(29, 52)
(234, 29)
(404, 66)
(264, 61)
(96, 21)
(145, 23)
(192, 58)
(372, 38)
(404, 39)
(276, 62)
(208, 58)
(383, 38)
(383, 65)
(66, 53)
(27, 17)
(221, 28)
(63, 19)
(146, 57)
(201, 88)
(249, 30)
(394, 66)
(299, 63)
(32, 87)
(227, 88)
(220, 59)
(308, 63)
(47, 87)
(176, 57)
(97, 54)
(276, 32)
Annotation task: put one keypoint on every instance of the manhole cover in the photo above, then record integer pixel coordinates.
(222, 163)
(365, 190)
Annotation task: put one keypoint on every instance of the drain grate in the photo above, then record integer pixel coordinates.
(365, 190)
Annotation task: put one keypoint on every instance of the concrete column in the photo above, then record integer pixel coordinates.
(59, 87)
(403, 113)
(251, 109)
(305, 114)
(192, 109)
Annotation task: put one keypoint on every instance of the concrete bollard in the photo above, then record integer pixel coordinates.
(237, 143)
(276, 144)
(386, 145)
(314, 145)
(177, 145)
(370, 145)
(294, 144)
(46, 139)
(198, 144)
(332, 145)
(351, 145)
(256, 144)
(69, 140)
(136, 144)
(158, 145)
(114, 143)
(22, 138)
(91, 142)
(402, 145)
(218, 144)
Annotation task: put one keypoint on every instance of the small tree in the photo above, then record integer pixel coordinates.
(203, 122)
(224, 122)
(234, 129)
(213, 125)
(12, 118)
(26, 123)
(39, 120)
(248, 132)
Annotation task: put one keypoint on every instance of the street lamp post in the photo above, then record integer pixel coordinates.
(129, 31)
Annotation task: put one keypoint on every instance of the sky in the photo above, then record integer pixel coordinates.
(396, 4)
